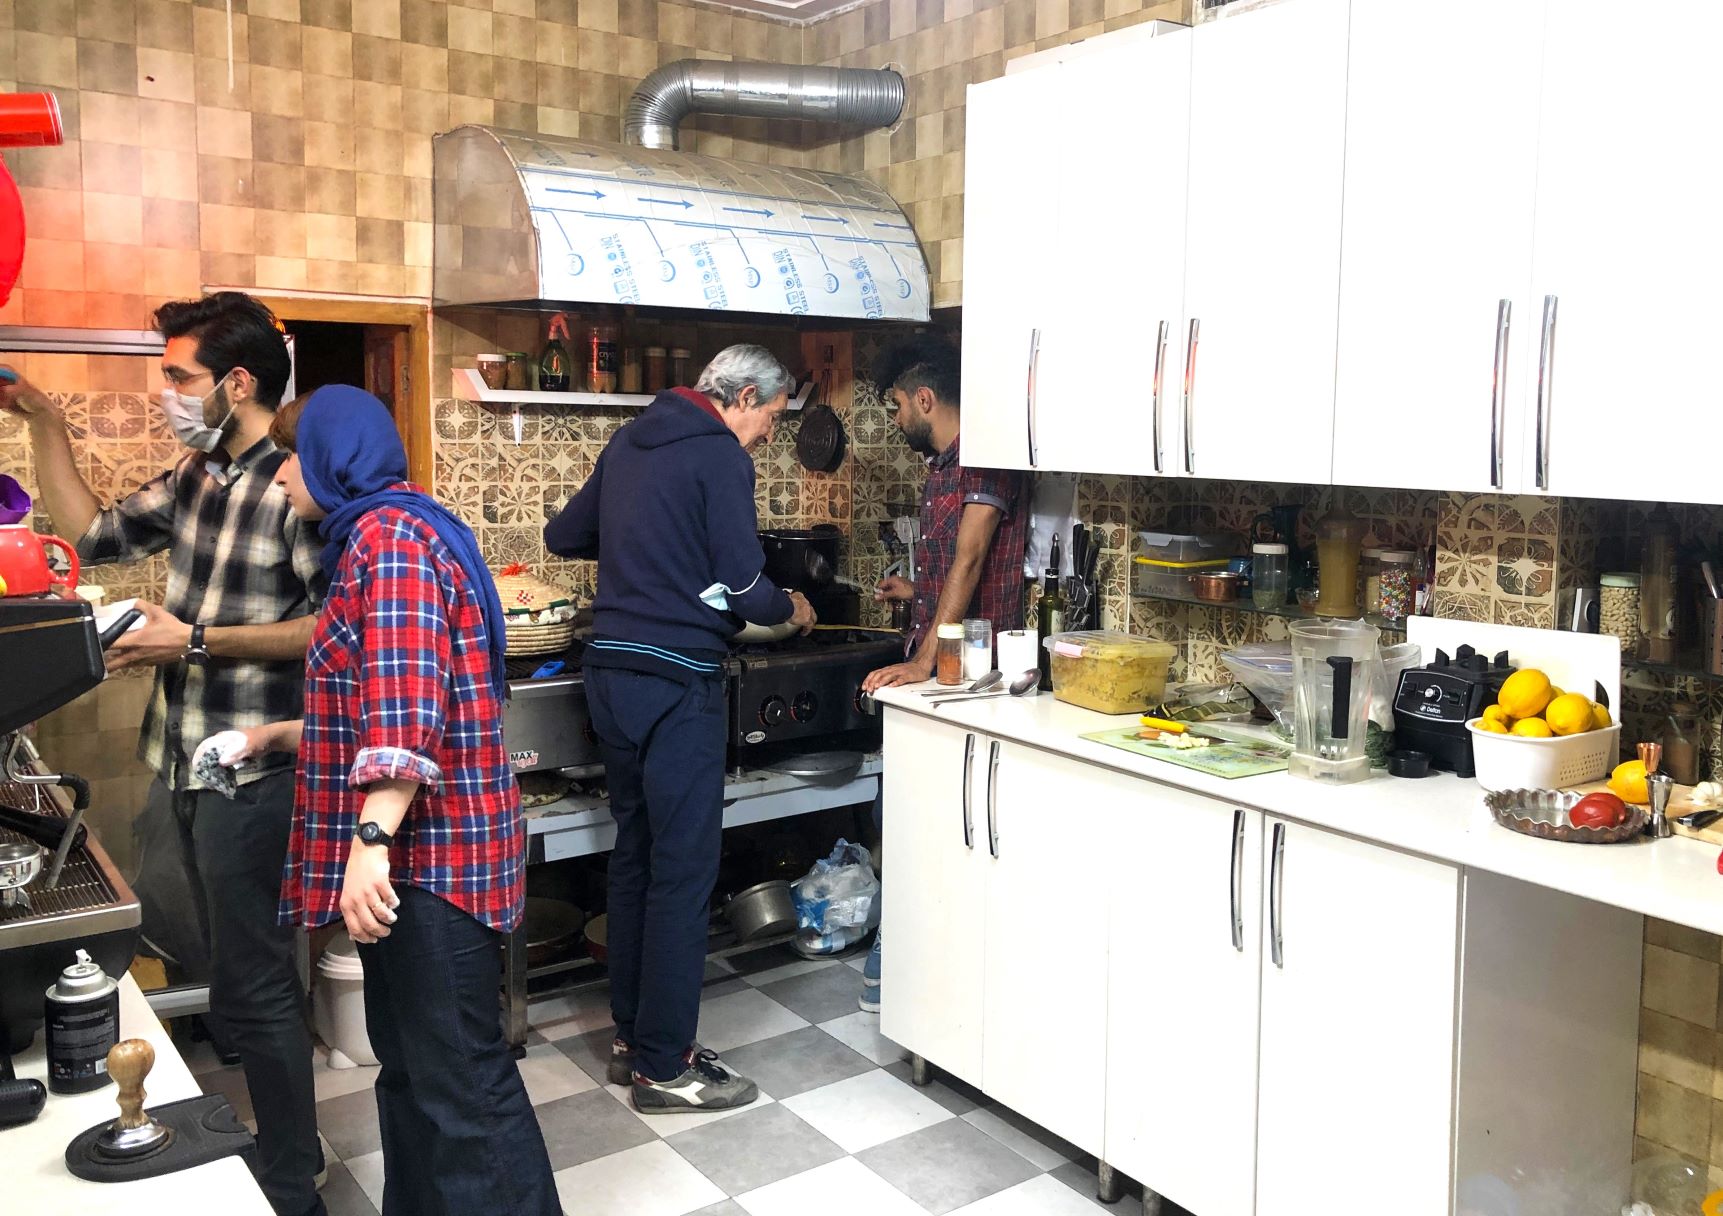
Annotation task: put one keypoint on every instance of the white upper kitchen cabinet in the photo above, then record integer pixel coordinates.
(1121, 253)
(1049, 822)
(1628, 255)
(1356, 1082)
(1262, 250)
(1184, 959)
(1012, 300)
(1437, 320)
(939, 871)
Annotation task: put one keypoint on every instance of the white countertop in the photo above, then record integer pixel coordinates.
(1441, 816)
(35, 1177)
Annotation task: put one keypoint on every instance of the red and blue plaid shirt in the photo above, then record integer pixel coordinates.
(398, 685)
(999, 592)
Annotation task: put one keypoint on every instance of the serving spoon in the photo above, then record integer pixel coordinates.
(1022, 684)
(983, 683)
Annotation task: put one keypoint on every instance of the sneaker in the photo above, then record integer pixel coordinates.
(620, 1070)
(704, 1085)
(321, 1178)
(868, 1001)
(870, 969)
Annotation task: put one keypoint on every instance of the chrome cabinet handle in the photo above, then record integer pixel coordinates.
(1034, 372)
(1276, 886)
(1237, 877)
(1190, 393)
(1498, 393)
(968, 819)
(1160, 366)
(1546, 392)
(993, 799)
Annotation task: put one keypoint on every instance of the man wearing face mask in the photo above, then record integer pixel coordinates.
(228, 645)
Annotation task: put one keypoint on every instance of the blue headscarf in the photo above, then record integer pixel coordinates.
(350, 455)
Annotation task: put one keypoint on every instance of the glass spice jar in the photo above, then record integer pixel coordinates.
(1618, 608)
(948, 661)
(680, 358)
(1393, 580)
(517, 376)
(657, 369)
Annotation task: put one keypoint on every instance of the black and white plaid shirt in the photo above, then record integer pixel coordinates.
(239, 556)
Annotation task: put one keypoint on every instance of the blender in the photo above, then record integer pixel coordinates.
(1333, 669)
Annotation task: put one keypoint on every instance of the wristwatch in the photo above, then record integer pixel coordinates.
(195, 651)
(372, 833)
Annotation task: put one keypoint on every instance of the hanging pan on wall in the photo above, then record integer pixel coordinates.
(820, 439)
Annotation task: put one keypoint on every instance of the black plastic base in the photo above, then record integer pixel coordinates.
(204, 1129)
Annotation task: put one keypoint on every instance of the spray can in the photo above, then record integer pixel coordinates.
(81, 1016)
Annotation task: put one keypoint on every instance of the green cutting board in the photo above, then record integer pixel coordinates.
(1218, 759)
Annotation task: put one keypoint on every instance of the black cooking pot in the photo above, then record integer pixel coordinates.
(802, 559)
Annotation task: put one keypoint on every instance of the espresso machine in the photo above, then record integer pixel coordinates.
(59, 892)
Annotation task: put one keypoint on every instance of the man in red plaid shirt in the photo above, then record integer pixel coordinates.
(974, 522)
(974, 525)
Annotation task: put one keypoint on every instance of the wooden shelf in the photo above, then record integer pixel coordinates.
(470, 386)
(1291, 611)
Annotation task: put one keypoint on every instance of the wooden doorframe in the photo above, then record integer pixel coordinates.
(414, 416)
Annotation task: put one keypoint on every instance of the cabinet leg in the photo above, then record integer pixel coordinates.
(514, 992)
(1109, 1186)
(920, 1071)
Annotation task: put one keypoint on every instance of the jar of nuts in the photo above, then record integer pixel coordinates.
(1618, 608)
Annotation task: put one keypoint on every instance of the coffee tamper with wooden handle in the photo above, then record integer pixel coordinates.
(134, 1133)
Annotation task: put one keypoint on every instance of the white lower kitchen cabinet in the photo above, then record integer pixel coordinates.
(1249, 1015)
(1355, 1094)
(1183, 976)
(935, 913)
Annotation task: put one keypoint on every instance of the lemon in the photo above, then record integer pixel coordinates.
(1599, 717)
(1628, 782)
(1557, 690)
(1498, 715)
(1532, 728)
(1494, 725)
(1525, 693)
(1569, 714)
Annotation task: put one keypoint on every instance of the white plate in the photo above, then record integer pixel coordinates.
(109, 613)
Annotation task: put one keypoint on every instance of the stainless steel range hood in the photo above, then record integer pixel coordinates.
(529, 218)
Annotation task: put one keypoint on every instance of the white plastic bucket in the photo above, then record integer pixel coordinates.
(338, 1006)
(1513, 762)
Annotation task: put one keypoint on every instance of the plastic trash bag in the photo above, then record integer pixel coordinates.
(837, 902)
(1391, 661)
(1266, 669)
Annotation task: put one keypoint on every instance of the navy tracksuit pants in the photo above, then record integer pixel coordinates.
(663, 746)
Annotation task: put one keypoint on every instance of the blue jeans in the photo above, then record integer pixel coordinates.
(459, 1134)
(663, 748)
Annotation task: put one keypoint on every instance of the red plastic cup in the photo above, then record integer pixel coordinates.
(30, 120)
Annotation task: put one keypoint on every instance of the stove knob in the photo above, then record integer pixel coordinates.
(805, 707)
(774, 712)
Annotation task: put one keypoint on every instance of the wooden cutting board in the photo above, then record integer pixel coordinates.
(1680, 803)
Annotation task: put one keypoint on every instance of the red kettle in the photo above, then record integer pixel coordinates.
(24, 562)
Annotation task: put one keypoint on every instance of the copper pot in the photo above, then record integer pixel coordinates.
(1216, 586)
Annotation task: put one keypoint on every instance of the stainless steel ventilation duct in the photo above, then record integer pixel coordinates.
(866, 97)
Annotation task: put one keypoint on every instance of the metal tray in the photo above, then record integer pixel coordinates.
(824, 768)
(1543, 813)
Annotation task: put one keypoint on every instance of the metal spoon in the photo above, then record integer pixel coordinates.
(985, 683)
(1022, 684)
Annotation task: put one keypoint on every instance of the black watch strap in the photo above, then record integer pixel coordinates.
(196, 651)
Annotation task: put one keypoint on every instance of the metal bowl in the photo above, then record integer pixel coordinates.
(1543, 813)
(764, 910)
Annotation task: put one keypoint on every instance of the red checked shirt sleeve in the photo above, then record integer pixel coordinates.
(403, 662)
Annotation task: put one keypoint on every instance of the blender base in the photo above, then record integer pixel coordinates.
(1334, 772)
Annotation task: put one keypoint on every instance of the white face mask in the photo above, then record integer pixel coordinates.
(185, 415)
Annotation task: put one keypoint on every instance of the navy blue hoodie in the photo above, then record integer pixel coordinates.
(669, 514)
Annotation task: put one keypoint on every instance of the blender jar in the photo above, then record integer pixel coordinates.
(1333, 670)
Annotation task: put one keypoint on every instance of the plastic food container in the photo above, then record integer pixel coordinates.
(1107, 671)
(1186, 547)
(1170, 579)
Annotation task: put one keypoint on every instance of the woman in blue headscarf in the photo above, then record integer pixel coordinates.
(408, 821)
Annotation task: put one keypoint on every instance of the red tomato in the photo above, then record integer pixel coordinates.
(1599, 810)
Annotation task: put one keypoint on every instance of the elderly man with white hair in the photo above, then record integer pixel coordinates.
(669, 516)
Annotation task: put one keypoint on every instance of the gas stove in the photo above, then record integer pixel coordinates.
(804, 694)
(798, 695)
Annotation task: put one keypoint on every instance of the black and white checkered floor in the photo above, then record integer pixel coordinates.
(838, 1129)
